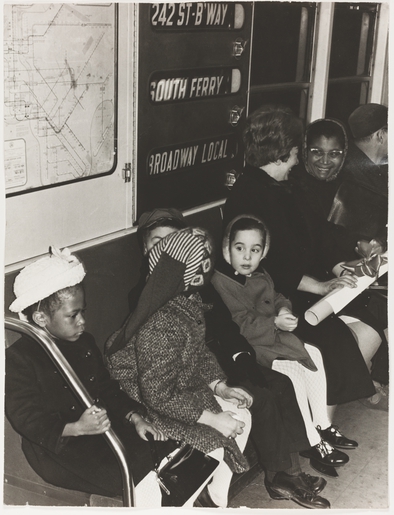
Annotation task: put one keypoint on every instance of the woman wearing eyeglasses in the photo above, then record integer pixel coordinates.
(324, 152)
(301, 255)
(316, 184)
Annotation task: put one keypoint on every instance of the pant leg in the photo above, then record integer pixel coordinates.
(282, 389)
(88, 464)
(268, 434)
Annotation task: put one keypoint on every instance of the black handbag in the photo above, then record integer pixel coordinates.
(183, 474)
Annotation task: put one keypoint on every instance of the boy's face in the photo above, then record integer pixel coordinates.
(68, 322)
(246, 251)
(155, 235)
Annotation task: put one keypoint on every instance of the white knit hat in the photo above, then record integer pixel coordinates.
(46, 276)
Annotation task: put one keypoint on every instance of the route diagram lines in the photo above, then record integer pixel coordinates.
(59, 92)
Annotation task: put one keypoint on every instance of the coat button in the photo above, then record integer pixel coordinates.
(73, 408)
(88, 354)
(65, 387)
(55, 371)
(199, 322)
(92, 378)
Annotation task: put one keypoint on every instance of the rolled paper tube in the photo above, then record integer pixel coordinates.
(318, 312)
(338, 299)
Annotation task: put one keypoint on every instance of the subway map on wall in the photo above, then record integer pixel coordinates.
(59, 93)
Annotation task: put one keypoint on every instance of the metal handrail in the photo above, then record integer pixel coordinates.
(51, 349)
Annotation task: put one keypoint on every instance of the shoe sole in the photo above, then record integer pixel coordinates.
(326, 464)
(323, 469)
(344, 447)
(278, 494)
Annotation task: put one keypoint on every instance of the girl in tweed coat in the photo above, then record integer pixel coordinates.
(160, 356)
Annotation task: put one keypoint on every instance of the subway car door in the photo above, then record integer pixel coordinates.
(193, 74)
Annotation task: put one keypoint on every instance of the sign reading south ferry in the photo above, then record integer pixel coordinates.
(180, 157)
(181, 85)
(197, 15)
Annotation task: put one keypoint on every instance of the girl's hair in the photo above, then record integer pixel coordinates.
(328, 129)
(51, 304)
(270, 134)
(248, 224)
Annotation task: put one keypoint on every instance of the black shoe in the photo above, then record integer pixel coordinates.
(333, 436)
(204, 500)
(316, 484)
(325, 454)
(326, 470)
(285, 486)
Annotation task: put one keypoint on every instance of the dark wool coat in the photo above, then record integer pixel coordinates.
(361, 203)
(39, 404)
(168, 367)
(360, 207)
(296, 250)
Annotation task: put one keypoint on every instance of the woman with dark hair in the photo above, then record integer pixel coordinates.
(299, 260)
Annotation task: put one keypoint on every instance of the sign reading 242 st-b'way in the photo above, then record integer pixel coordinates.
(197, 15)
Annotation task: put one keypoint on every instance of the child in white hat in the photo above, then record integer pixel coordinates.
(61, 439)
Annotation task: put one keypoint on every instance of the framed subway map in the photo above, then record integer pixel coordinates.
(60, 94)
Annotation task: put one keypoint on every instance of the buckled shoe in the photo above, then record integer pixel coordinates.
(285, 486)
(333, 436)
(324, 453)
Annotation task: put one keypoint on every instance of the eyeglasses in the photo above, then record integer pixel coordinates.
(331, 154)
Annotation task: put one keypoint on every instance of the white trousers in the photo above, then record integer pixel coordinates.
(147, 493)
(311, 391)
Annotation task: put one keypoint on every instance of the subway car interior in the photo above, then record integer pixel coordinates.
(113, 110)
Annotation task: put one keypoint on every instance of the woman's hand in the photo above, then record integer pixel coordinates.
(346, 280)
(93, 421)
(142, 427)
(286, 321)
(224, 422)
(237, 396)
(321, 288)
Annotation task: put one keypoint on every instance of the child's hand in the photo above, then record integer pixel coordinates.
(226, 424)
(93, 421)
(142, 427)
(237, 396)
(286, 321)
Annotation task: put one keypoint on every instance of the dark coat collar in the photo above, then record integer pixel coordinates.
(263, 177)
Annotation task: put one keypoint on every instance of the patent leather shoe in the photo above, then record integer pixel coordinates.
(326, 470)
(285, 486)
(324, 453)
(333, 436)
(204, 500)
